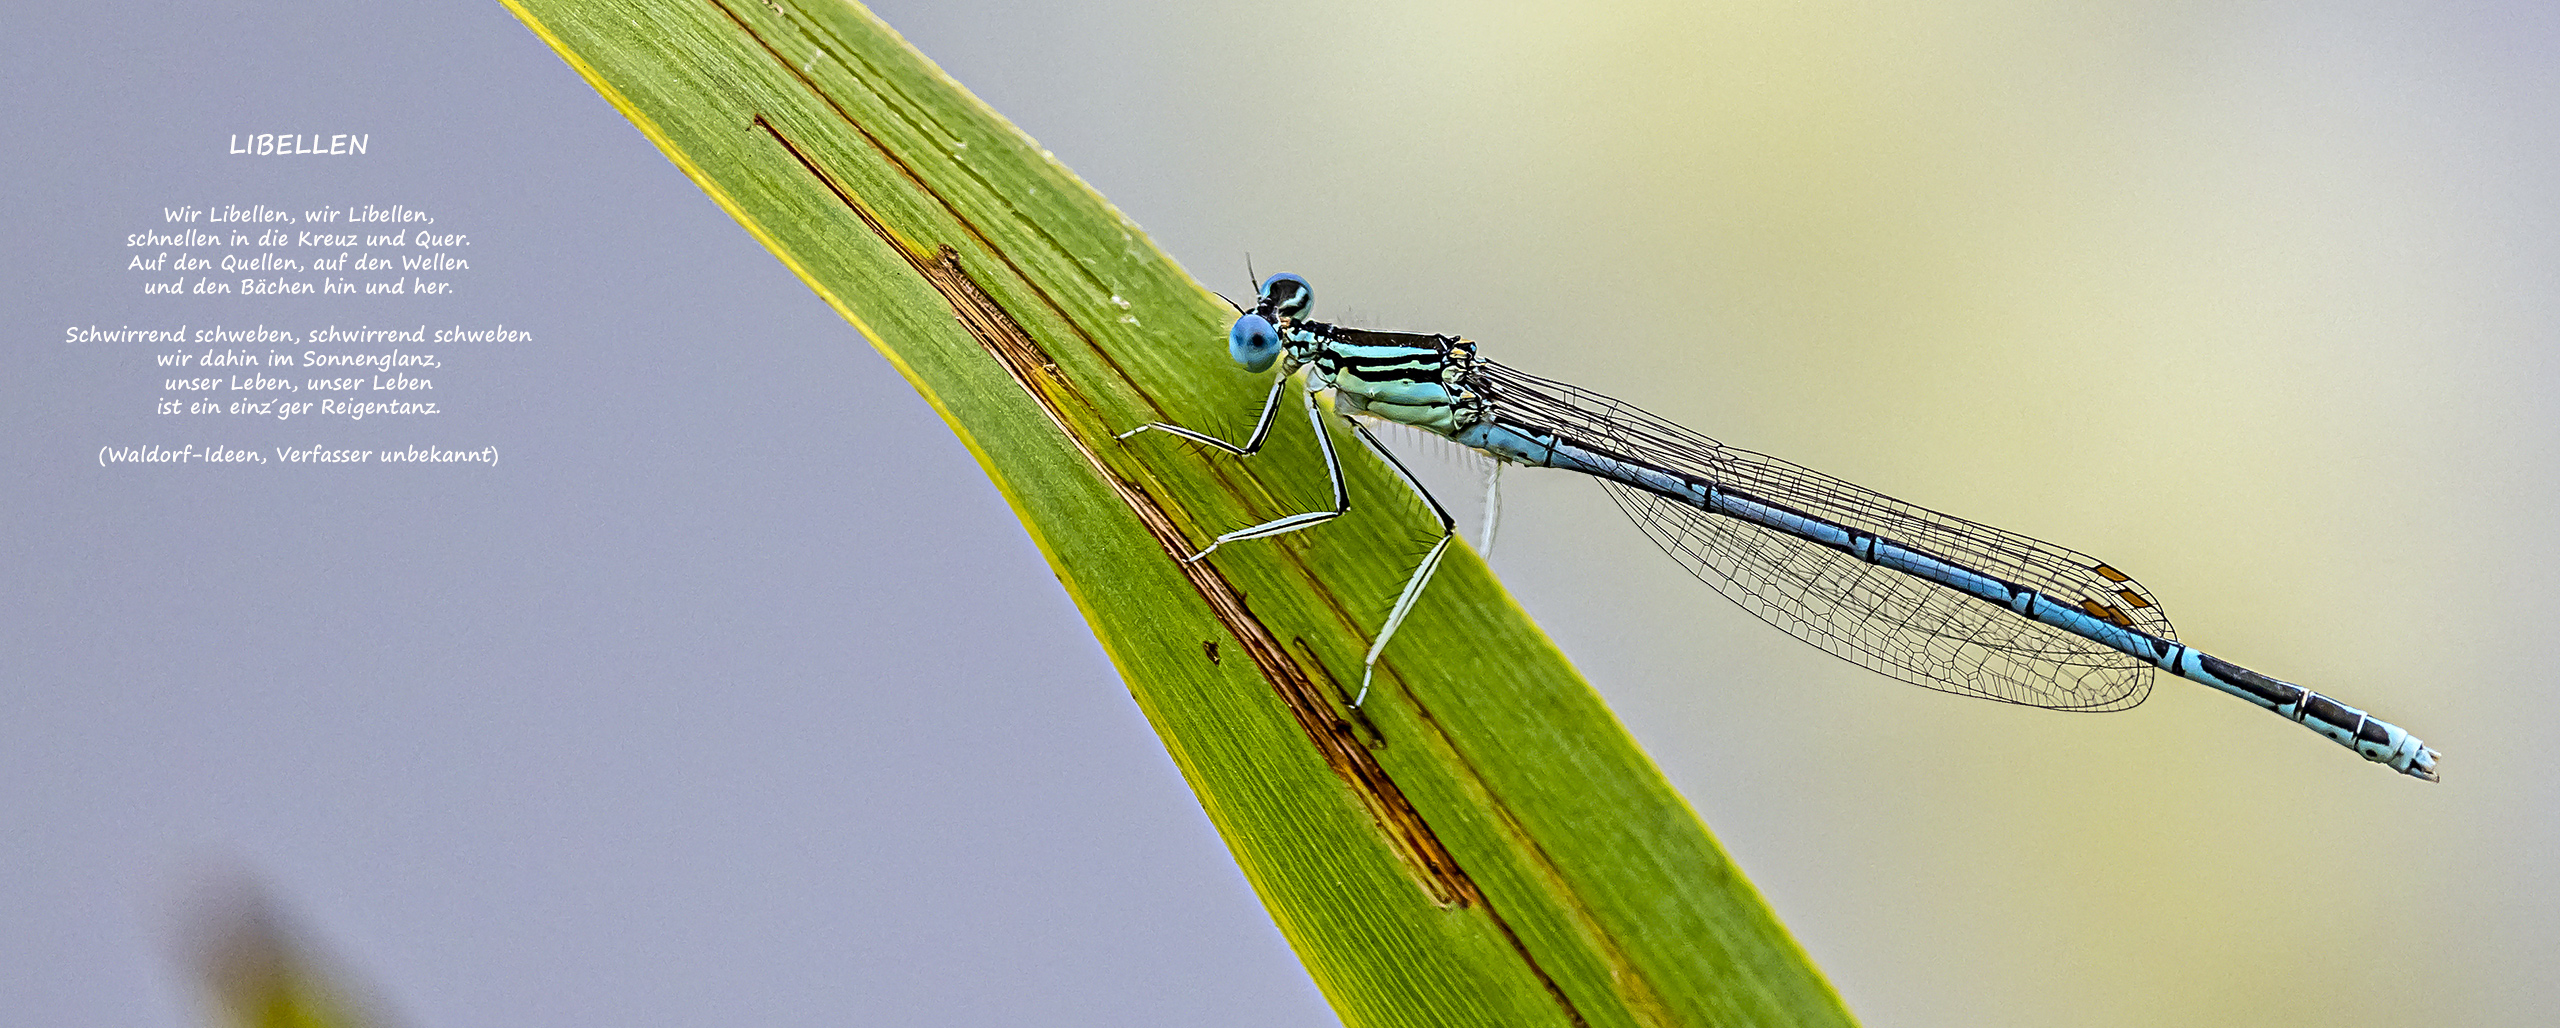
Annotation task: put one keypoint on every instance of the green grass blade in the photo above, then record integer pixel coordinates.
(1482, 843)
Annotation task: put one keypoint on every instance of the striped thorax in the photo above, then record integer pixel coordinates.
(1910, 592)
(1409, 378)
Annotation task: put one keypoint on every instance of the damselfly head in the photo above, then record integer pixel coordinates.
(1253, 342)
(1285, 297)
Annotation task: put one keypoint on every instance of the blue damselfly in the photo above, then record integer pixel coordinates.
(1929, 598)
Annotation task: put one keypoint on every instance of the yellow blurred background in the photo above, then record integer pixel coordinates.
(2254, 301)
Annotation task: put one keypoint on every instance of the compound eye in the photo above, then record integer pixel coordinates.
(1253, 342)
(1288, 296)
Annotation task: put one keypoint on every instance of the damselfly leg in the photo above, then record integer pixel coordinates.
(1421, 574)
(1935, 600)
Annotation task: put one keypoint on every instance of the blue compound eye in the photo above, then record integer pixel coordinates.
(1253, 342)
(1288, 296)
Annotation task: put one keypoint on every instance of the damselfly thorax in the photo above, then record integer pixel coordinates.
(1926, 597)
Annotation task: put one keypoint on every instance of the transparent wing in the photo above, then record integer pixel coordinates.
(1876, 617)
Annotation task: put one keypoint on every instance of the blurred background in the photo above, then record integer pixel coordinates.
(690, 711)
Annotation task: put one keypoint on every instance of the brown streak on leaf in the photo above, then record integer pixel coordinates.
(1021, 359)
(1411, 837)
(1634, 989)
(893, 160)
(1408, 835)
(915, 255)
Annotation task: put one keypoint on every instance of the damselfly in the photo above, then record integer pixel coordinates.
(1929, 598)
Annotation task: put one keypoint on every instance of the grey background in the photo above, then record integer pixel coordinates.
(685, 714)
(736, 694)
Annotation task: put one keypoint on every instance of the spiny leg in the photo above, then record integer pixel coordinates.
(1341, 504)
(1261, 426)
(1421, 573)
(1294, 522)
(1492, 509)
